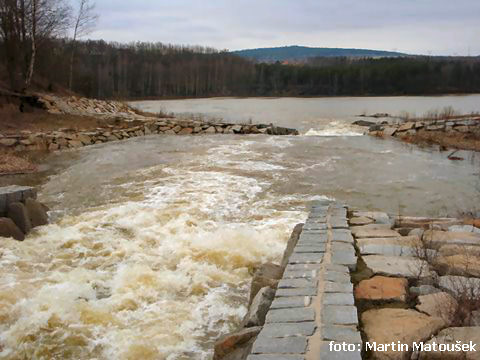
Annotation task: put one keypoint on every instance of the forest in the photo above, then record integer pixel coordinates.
(41, 49)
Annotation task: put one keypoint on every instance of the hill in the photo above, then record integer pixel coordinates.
(301, 53)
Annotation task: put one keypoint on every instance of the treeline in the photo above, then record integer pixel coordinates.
(146, 70)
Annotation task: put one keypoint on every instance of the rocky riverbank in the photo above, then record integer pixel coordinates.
(452, 133)
(127, 123)
(411, 281)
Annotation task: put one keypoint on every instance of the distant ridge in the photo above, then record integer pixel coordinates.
(301, 53)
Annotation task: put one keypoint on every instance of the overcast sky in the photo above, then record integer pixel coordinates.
(437, 27)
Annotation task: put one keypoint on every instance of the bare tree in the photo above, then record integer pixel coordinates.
(24, 25)
(85, 21)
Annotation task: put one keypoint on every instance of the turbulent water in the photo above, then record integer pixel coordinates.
(154, 239)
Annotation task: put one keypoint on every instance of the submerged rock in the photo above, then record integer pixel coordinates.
(36, 212)
(8, 229)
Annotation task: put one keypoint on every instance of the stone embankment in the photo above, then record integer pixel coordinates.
(20, 212)
(128, 124)
(399, 129)
(352, 282)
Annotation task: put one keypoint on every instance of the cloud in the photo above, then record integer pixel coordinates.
(412, 26)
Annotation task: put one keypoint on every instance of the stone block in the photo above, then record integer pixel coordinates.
(291, 302)
(340, 333)
(308, 258)
(280, 330)
(337, 299)
(300, 274)
(306, 248)
(339, 315)
(336, 276)
(296, 283)
(18, 213)
(288, 345)
(296, 292)
(275, 357)
(327, 354)
(333, 287)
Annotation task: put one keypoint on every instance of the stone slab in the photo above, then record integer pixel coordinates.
(305, 267)
(308, 258)
(280, 330)
(296, 283)
(339, 315)
(338, 299)
(275, 357)
(342, 236)
(338, 287)
(300, 274)
(291, 302)
(336, 276)
(340, 333)
(397, 266)
(305, 248)
(296, 292)
(373, 231)
(288, 345)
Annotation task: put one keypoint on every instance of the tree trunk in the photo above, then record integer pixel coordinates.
(29, 75)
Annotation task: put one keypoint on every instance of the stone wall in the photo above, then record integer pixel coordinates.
(20, 211)
(461, 125)
(128, 124)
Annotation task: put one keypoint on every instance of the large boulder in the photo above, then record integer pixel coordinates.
(267, 275)
(18, 213)
(401, 246)
(398, 326)
(441, 305)
(8, 229)
(436, 239)
(405, 267)
(381, 288)
(36, 212)
(461, 264)
(376, 216)
(460, 286)
(237, 345)
(374, 231)
(259, 308)
(447, 338)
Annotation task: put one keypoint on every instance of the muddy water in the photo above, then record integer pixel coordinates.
(154, 238)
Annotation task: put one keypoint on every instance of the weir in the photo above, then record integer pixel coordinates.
(314, 303)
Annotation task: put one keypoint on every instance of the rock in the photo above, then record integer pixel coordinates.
(377, 216)
(461, 264)
(452, 336)
(86, 140)
(407, 126)
(75, 144)
(361, 220)
(381, 288)
(416, 232)
(8, 229)
(398, 266)
(400, 246)
(266, 275)
(425, 222)
(389, 131)
(259, 308)
(435, 239)
(459, 285)
(53, 147)
(230, 342)
(185, 131)
(8, 142)
(398, 326)
(364, 123)
(373, 231)
(424, 290)
(210, 130)
(292, 242)
(36, 212)
(461, 228)
(18, 213)
(441, 305)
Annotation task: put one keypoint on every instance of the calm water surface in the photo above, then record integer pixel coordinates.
(154, 238)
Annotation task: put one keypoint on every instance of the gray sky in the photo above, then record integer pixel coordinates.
(437, 27)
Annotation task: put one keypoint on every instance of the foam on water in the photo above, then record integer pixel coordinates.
(158, 277)
(337, 128)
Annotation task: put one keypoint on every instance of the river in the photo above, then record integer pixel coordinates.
(154, 239)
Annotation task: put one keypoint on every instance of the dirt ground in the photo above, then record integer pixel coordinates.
(15, 164)
(446, 140)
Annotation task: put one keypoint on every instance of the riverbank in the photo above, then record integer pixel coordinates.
(53, 123)
(366, 279)
(457, 133)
